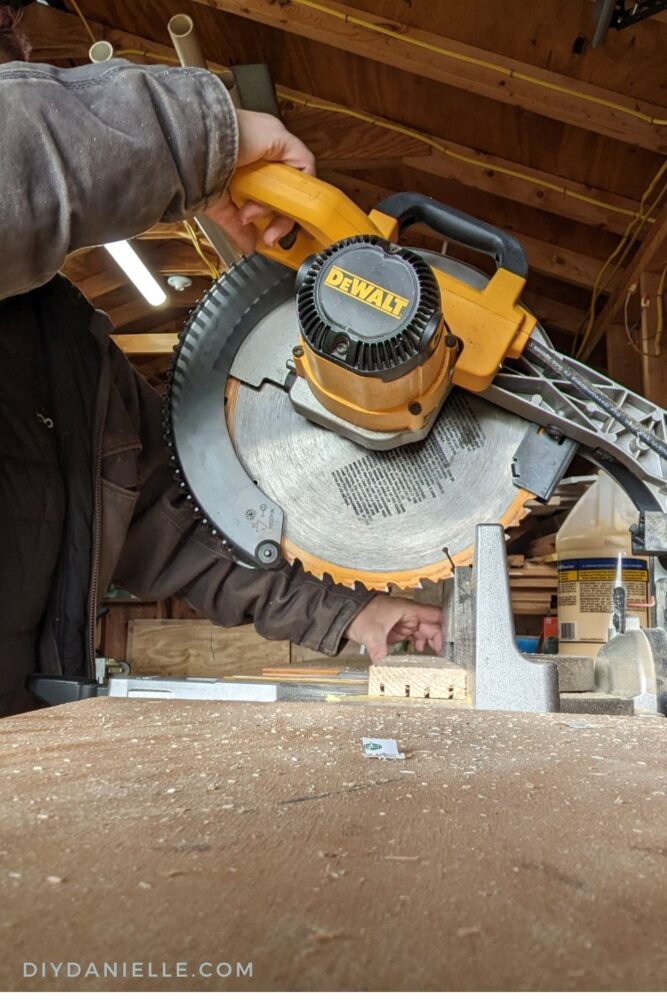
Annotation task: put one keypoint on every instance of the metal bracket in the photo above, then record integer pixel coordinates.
(650, 536)
(501, 677)
(541, 460)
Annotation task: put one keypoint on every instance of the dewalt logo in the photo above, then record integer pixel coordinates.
(365, 291)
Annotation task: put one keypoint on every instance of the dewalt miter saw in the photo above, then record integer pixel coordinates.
(360, 406)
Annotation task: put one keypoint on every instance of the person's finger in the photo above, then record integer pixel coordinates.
(431, 634)
(430, 613)
(295, 154)
(225, 213)
(251, 211)
(278, 227)
(377, 647)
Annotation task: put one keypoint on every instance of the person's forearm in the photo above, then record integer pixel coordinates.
(167, 552)
(101, 153)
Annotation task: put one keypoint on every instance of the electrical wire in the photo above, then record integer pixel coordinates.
(89, 30)
(630, 330)
(147, 54)
(659, 310)
(440, 147)
(401, 32)
(194, 238)
(637, 221)
(621, 251)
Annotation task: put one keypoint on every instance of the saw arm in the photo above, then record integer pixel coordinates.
(315, 410)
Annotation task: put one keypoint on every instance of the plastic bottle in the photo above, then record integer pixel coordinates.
(594, 552)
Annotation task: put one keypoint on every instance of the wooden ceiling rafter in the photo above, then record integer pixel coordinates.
(650, 257)
(156, 344)
(465, 67)
(366, 146)
(339, 148)
(545, 258)
(164, 258)
(547, 192)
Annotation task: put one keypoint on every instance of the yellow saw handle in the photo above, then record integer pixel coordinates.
(323, 213)
(489, 323)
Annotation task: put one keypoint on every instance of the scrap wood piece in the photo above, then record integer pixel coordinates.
(417, 677)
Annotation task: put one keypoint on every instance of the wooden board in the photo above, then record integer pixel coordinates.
(198, 648)
(417, 677)
(506, 851)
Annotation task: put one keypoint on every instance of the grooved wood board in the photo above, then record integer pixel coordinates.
(506, 851)
(198, 648)
(417, 677)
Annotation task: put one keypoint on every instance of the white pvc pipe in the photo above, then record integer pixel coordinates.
(100, 52)
(185, 40)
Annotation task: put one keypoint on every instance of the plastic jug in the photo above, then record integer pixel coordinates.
(594, 553)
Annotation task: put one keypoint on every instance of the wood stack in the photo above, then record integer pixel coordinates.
(532, 586)
(531, 548)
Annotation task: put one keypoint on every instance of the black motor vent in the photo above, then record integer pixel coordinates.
(370, 306)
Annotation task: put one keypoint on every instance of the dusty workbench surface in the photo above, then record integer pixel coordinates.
(505, 851)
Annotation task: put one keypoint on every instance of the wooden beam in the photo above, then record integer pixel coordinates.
(167, 258)
(624, 364)
(654, 369)
(179, 257)
(136, 308)
(130, 312)
(342, 143)
(165, 231)
(57, 36)
(146, 343)
(465, 67)
(337, 138)
(650, 256)
(545, 258)
(551, 313)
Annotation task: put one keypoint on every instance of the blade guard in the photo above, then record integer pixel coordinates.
(490, 324)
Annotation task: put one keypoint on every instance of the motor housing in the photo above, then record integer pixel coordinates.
(374, 346)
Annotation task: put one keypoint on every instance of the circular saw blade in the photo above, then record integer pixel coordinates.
(375, 518)
(380, 518)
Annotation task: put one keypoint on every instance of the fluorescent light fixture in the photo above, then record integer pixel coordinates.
(137, 272)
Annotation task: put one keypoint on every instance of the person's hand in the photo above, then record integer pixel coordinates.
(386, 620)
(261, 137)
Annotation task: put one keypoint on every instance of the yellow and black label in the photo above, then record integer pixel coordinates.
(602, 570)
(366, 291)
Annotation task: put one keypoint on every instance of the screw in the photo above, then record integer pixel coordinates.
(267, 553)
(451, 341)
(415, 408)
(445, 549)
(297, 352)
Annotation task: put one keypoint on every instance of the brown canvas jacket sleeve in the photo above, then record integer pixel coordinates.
(100, 153)
(167, 551)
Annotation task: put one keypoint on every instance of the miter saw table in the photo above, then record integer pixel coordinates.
(506, 851)
(479, 637)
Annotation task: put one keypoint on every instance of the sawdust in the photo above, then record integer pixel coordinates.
(275, 832)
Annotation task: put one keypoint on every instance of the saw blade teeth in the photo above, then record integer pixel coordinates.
(406, 580)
